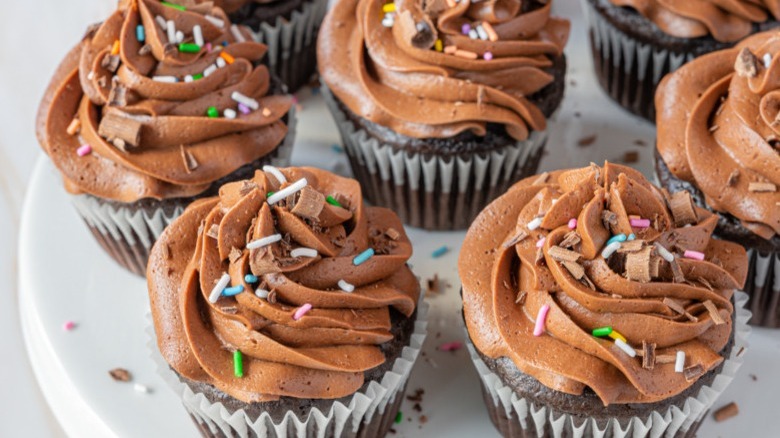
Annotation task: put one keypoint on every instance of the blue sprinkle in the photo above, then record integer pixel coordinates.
(631, 236)
(617, 238)
(315, 91)
(363, 256)
(224, 43)
(140, 33)
(235, 290)
(440, 252)
(249, 278)
(337, 148)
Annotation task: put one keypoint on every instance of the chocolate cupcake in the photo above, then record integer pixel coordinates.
(635, 43)
(442, 105)
(155, 107)
(718, 139)
(285, 307)
(289, 28)
(593, 312)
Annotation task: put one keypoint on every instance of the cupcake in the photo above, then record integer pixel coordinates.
(593, 312)
(155, 107)
(635, 43)
(442, 105)
(718, 139)
(289, 29)
(285, 307)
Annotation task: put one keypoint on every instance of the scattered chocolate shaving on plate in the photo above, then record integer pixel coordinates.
(726, 412)
(640, 142)
(631, 157)
(587, 141)
(120, 375)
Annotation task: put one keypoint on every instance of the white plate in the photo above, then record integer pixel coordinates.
(64, 276)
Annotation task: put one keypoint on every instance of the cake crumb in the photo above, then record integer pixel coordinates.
(726, 412)
(120, 374)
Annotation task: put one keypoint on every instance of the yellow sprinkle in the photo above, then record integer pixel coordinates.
(388, 7)
(226, 56)
(616, 335)
(115, 48)
(439, 46)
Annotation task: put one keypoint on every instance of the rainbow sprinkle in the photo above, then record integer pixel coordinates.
(85, 149)
(249, 278)
(541, 318)
(238, 363)
(299, 312)
(68, 326)
(695, 255)
(572, 223)
(440, 252)
(602, 331)
(640, 223)
(332, 201)
(363, 257)
(617, 238)
(231, 291)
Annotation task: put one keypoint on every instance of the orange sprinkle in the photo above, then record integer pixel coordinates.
(451, 3)
(450, 49)
(465, 54)
(227, 57)
(115, 48)
(492, 35)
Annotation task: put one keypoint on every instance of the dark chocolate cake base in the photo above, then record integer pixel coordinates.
(763, 284)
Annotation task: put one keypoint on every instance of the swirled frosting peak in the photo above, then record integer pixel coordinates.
(151, 91)
(306, 312)
(726, 20)
(435, 68)
(600, 248)
(719, 128)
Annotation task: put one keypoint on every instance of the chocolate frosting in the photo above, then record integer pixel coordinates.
(322, 355)
(724, 20)
(718, 129)
(181, 150)
(497, 267)
(395, 76)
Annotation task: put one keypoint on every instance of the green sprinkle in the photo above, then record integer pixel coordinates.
(238, 363)
(398, 417)
(197, 76)
(332, 201)
(602, 331)
(189, 48)
(174, 6)
(269, 194)
(212, 112)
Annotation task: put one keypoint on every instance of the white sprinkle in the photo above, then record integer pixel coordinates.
(141, 388)
(346, 287)
(625, 347)
(219, 287)
(287, 191)
(664, 253)
(264, 241)
(214, 20)
(554, 200)
(90, 75)
(388, 21)
(237, 33)
(679, 364)
(767, 60)
(610, 249)
(481, 32)
(534, 224)
(261, 293)
(168, 79)
(221, 62)
(197, 34)
(248, 101)
(229, 113)
(179, 36)
(161, 21)
(209, 70)
(171, 27)
(276, 173)
(188, 78)
(304, 252)
(473, 34)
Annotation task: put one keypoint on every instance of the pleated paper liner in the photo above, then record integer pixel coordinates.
(763, 287)
(515, 416)
(435, 193)
(127, 232)
(369, 413)
(292, 44)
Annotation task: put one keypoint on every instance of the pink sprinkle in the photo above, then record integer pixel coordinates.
(295, 98)
(540, 242)
(69, 325)
(487, 56)
(696, 255)
(208, 47)
(572, 223)
(640, 223)
(451, 346)
(301, 311)
(540, 320)
(244, 109)
(85, 149)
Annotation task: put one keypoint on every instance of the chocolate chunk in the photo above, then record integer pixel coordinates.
(726, 412)
(120, 375)
(310, 204)
(683, 211)
(746, 64)
(648, 355)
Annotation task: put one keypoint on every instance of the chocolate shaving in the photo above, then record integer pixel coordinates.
(677, 272)
(434, 285)
(631, 157)
(563, 255)
(120, 375)
(677, 307)
(234, 255)
(213, 231)
(706, 283)
(575, 269)
(110, 62)
(310, 204)
(570, 239)
(118, 94)
(166, 250)
(190, 163)
(392, 234)
(587, 141)
(714, 314)
(114, 126)
(585, 280)
(665, 358)
(74, 127)
(726, 412)
(520, 299)
(746, 64)
(631, 246)
(648, 355)
(542, 179)
(609, 219)
(145, 50)
(247, 187)
(481, 95)
(639, 265)
(272, 296)
(519, 237)
(693, 372)
(539, 261)
(102, 81)
(733, 178)
(683, 211)
(762, 187)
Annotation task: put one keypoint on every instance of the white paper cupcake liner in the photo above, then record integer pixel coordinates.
(341, 420)
(128, 234)
(763, 286)
(433, 192)
(628, 69)
(287, 38)
(660, 423)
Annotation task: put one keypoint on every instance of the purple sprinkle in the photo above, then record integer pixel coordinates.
(244, 109)
(488, 56)
(465, 29)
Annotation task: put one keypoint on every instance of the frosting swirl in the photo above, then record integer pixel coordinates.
(417, 73)
(718, 129)
(509, 274)
(141, 103)
(321, 354)
(725, 20)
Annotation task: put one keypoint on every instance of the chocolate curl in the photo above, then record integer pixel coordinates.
(693, 372)
(682, 208)
(419, 32)
(746, 64)
(116, 126)
(714, 314)
(648, 356)
(642, 265)
(563, 255)
(310, 204)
